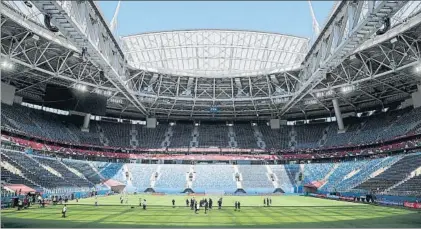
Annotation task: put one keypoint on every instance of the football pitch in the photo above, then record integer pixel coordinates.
(286, 211)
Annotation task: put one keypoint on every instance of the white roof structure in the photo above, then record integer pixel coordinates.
(214, 53)
(217, 74)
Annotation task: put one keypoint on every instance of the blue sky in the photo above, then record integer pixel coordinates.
(287, 17)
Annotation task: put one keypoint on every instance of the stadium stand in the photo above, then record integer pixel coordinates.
(118, 134)
(343, 170)
(70, 176)
(209, 178)
(411, 187)
(37, 174)
(284, 180)
(172, 178)
(275, 139)
(114, 171)
(141, 175)
(85, 168)
(316, 172)
(309, 136)
(182, 135)
(255, 177)
(393, 175)
(211, 135)
(365, 130)
(244, 135)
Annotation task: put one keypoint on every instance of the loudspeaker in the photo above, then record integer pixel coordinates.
(150, 122)
(275, 124)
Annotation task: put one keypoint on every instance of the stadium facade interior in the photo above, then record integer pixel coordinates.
(211, 111)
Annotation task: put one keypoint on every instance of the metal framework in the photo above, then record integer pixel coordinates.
(214, 53)
(83, 25)
(380, 70)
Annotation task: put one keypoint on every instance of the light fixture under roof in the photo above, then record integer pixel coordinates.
(393, 40)
(347, 89)
(6, 65)
(81, 87)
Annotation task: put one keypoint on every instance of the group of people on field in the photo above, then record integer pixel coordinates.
(267, 202)
(195, 205)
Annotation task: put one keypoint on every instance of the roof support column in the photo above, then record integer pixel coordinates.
(86, 121)
(338, 114)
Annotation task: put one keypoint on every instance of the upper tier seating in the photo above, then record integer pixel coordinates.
(244, 135)
(118, 134)
(182, 135)
(308, 136)
(365, 130)
(151, 138)
(213, 135)
(275, 138)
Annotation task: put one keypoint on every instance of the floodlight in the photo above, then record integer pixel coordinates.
(6, 65)
(319, 94)
(310, 102)
(347, 89)
(418, 68)
(393, 40)
(107, 93)
(329, 93)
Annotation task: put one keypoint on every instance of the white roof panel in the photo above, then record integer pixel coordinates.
(214, 53)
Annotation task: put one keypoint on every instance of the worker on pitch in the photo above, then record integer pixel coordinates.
(144, 204)
(63, 211)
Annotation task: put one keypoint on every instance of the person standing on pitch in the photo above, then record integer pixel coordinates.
(144, 204)
(264, 202)
(173, 203)
(206, 207)
(192, 204)
(63, 211)
(267, 202)
(270, 201)
(210, 203)
(187, 202)
(196, 207)
(236, 205)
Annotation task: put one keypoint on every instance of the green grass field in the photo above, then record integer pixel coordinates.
(286, 211)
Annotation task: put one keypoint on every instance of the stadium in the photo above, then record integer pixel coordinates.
(210, 127)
